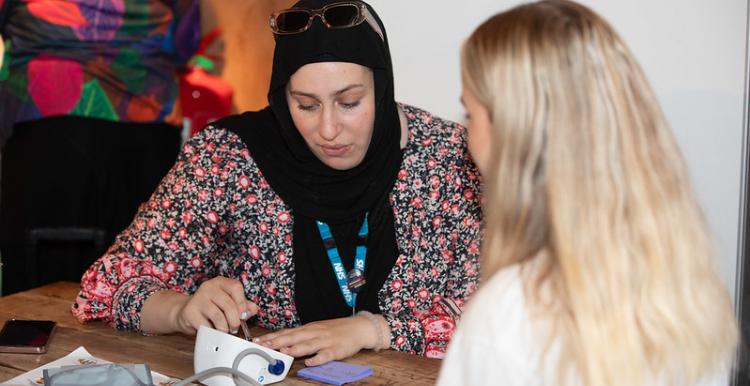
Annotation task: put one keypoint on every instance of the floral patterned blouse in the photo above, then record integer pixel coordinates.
(106, 59)
(215, 215)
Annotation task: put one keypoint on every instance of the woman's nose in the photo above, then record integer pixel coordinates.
(329, 125)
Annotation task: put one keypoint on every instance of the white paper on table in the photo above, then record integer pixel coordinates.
(78, 357)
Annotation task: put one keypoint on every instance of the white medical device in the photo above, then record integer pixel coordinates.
(215, 349)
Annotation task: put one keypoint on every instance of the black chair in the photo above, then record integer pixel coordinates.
(37, 237)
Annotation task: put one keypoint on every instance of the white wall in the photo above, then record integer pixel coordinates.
(693, 51)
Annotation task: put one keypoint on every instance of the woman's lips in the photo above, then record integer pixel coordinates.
(335, 150)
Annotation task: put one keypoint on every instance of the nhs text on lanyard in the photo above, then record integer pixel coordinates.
(349, 283)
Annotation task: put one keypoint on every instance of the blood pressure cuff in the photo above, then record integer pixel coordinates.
(99, 375)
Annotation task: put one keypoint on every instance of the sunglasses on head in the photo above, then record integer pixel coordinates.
(344, 14)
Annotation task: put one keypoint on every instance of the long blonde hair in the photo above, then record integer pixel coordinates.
(587, 181)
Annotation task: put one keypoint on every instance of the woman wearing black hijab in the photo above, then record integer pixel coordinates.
(336, 215)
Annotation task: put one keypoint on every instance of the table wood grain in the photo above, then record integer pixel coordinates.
(171, 355)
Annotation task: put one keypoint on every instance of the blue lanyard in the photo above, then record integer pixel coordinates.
(346, 284)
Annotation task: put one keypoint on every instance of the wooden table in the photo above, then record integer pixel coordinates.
(170, 355)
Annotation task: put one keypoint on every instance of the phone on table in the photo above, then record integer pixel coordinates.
(26, 336)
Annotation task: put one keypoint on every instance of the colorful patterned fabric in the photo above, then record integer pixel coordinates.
(107, 59)
(215, 215)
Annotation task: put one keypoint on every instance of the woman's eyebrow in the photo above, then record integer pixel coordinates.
(333, 94)
(347, 88)
(302, 94)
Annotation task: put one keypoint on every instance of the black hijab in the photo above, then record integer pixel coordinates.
(315, 191)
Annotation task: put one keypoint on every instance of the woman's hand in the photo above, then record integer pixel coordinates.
(329, 339)
(219, 303)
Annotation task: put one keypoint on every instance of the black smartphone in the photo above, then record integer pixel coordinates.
(26, 336)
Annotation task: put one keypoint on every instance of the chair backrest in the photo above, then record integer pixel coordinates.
(36, 236)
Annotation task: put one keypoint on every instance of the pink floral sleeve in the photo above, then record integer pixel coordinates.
(437, 201)
(174, 240)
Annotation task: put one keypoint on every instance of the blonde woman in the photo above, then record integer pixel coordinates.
(597, 262)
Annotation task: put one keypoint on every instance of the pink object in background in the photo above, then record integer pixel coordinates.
(204, 98)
